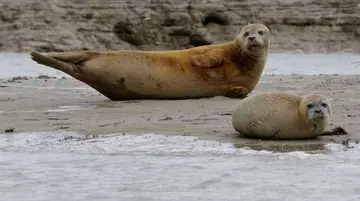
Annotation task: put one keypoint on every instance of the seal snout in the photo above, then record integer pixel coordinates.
(251, 38)
(252, 41)
(318, 114)
(317, 110)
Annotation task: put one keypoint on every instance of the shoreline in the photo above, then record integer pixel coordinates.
(51, 104)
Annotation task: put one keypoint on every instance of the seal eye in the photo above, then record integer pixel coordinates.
(261, 33)
(246, 34)
(310, 106)
(324, 104)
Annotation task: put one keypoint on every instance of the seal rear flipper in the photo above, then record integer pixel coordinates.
(66, 62)
(73, 57)
(335, 131)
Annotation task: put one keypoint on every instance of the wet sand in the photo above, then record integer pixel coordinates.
(36, 105)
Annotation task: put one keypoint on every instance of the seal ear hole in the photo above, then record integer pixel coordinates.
(215, 18)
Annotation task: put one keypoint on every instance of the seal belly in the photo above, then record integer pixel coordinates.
(158, 81)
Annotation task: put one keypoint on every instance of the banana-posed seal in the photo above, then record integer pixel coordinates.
(231, 69)
(283, 116)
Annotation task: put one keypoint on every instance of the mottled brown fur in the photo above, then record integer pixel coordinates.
(230, 69)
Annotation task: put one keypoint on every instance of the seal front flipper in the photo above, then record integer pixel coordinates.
(259, 128)
(237, 92)
(209, 59)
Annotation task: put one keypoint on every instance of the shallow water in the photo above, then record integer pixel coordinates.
(46, 166)
(20, 64)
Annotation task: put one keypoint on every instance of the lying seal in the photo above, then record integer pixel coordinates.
(283, 116)
(230, 69)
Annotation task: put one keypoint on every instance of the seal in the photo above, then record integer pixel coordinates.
(230, 69)
(283, 116)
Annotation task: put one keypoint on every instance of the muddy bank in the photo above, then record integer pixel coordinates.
(58, 25)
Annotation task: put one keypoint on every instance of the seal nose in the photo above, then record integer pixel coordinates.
(251, 38)
(318, 112)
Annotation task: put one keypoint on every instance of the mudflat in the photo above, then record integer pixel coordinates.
(66, 104)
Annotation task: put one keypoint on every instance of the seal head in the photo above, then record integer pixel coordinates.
(254, 40)
(316, 109)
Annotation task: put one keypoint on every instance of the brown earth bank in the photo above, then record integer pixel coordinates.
(68, 25)
(48, 104)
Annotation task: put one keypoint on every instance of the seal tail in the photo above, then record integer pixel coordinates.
(67, 62)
